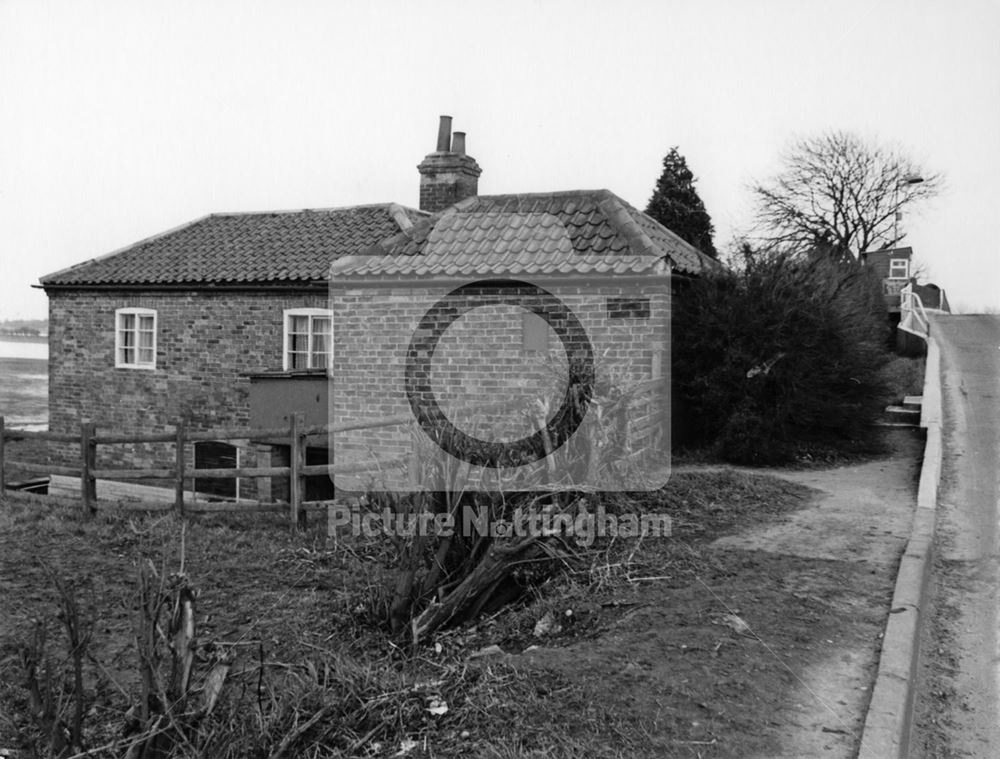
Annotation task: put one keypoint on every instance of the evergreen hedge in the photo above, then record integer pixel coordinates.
(781, 358)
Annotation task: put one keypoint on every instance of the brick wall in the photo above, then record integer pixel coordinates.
(205, 342)
(445, 179)
(480, 357)
(444, 190)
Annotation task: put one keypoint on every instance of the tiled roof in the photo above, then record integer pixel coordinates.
(489, 264)
(483, 244)
(245, 248)
(570, 232)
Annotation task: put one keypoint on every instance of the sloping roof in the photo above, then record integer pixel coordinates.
(904, 252)
(288, 247)
(584, 231)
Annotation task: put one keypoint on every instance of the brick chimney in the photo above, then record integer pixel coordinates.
(447, 175)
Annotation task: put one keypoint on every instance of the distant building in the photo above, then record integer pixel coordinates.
(932, 296)
(893, 266)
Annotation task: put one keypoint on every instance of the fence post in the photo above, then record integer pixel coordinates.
(179, 483)
(88, 456)
(297, 455)
(3, 481)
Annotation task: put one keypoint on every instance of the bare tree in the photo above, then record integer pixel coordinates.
(839, 193)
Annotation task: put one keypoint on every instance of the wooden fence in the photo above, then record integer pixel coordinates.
(297, 470)
(648, 421)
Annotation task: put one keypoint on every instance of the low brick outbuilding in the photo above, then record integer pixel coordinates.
(526, 298)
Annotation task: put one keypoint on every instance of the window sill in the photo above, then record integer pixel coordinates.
(288, 373)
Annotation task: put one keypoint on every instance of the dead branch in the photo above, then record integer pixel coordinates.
(40, 696)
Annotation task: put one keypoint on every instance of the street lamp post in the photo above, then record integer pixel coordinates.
(909, 179)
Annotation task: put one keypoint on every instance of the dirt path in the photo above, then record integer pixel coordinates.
(862, 514)
(813, 590)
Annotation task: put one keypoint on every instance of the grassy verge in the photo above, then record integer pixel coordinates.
(314, 673)
(904, 376)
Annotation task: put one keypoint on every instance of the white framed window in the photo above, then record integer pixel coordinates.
(135, 338)
(899, 268)
(308, 337)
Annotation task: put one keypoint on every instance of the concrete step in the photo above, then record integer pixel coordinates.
(907, 415)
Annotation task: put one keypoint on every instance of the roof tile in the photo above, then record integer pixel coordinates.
(280, 247)
(572, 232)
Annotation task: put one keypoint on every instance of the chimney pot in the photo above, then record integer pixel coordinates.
(444, 135)
(447, 175)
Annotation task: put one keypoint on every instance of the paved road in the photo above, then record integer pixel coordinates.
(958, 704)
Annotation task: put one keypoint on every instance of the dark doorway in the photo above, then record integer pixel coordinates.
(214, 454)
(319, 487)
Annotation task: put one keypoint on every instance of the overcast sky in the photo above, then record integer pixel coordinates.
(121, 120)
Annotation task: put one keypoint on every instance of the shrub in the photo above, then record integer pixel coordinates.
(780, 357)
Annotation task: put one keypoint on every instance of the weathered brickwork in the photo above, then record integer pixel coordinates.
(480, 356)
(206, 343)
(445, 179)
(445, 190)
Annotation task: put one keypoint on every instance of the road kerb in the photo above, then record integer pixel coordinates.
(889, 721)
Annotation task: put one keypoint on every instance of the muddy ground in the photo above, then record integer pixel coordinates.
(812, 588)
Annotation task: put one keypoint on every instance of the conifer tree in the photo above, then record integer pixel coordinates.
(677, 205)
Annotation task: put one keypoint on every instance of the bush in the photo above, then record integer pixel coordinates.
(780, 358)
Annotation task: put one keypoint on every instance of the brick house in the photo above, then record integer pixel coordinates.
(894, 266)
(173, 328)
(225, 322)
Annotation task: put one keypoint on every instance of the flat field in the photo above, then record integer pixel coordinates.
(24, 391)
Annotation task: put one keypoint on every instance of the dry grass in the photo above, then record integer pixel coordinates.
(904, 376)
(302, 620)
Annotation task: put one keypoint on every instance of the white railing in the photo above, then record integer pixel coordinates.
(912, 316)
